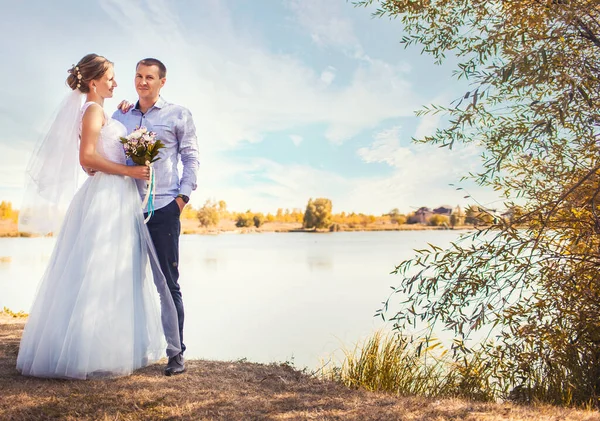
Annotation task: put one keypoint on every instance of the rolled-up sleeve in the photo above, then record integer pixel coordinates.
(188, 149)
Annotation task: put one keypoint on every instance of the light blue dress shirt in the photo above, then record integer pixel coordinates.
(173, 125)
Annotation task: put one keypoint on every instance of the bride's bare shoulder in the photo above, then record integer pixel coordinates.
(93, 113)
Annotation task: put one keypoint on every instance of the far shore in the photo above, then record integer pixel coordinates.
(191, 226)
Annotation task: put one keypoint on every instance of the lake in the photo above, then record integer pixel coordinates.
(266, 297)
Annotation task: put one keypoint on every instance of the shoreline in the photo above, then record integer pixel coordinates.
(228, 390)
(9, 229)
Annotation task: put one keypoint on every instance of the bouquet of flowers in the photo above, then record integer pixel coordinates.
(142, 146)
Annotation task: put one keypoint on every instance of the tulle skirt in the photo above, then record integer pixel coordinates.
(97, 312)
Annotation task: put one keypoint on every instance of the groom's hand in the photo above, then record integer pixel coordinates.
(180, 203)
(124, 106)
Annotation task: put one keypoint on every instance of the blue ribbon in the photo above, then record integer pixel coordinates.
(151, 199)
(150, 195)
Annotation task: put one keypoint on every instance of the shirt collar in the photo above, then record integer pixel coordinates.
(160, 103)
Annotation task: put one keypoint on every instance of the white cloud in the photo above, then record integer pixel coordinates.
(421, 174)
(296, 139)
(269, 185)
(427, 125)
(240, 85)
(325, 23)
(238, 90)
(386, 148)
(328, 75)
(15, 156)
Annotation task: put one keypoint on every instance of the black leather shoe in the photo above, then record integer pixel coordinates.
(175, 365)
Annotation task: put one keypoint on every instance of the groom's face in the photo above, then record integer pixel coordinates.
(147, 82)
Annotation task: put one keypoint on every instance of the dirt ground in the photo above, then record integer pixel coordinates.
(222, 390)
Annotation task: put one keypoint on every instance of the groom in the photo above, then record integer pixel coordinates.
(173, 125)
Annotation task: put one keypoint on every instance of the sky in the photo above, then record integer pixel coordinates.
(292, 99)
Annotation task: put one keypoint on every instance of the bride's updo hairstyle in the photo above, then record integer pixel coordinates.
(90, 67)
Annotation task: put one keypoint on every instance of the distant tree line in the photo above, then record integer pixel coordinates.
(318, 215)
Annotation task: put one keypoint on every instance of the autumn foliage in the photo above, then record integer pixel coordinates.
(532, 280)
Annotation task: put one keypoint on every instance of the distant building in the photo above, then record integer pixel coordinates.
(443, 210)
(422, 215)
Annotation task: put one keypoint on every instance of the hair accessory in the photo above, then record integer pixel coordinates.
(75, 72)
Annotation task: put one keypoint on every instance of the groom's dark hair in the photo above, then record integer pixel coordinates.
(162, 69)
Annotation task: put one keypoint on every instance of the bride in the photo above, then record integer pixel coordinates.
(102, 307)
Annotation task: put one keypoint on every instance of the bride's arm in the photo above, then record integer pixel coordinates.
(93, 118)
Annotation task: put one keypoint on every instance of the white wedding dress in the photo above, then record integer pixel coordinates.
(97, 311)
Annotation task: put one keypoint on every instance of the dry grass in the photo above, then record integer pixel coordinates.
(215, 390)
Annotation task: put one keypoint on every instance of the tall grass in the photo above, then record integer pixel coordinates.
(392, 364)
(566, 376)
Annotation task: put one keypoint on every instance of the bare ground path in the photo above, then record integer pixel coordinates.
(218, 390)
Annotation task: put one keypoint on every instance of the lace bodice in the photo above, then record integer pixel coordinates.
(109, 145)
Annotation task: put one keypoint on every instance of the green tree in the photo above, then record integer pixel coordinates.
(532, 104)
(297, 215)
(258, 219)
(399, 219)
(453, 220)
(457, 217)
(396, 217)
(317, 214)
(437, 220)
(208, 215)
(244, 220)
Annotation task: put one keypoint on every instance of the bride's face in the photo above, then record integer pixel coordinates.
(106, 84)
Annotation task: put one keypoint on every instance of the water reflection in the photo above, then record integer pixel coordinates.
(317, 262)
(211, 263)
(264, 297)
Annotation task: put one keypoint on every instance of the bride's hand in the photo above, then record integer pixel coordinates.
(124, 106)
(141, 172)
